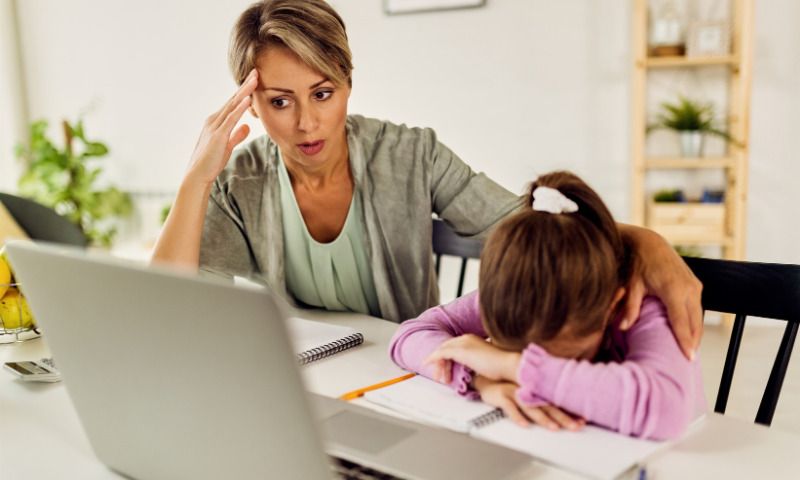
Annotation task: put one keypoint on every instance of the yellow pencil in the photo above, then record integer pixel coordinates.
(359, 392)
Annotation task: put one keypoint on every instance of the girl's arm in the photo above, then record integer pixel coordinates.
(417, 338)
(651, 394)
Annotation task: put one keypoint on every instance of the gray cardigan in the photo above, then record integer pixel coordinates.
(404, 175)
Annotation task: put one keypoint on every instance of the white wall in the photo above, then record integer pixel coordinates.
(517, 88)
(13, 108)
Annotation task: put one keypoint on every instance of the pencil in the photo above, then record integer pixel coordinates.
(361, 391)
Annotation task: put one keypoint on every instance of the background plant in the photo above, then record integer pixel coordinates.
(65, 179)
(688, 115)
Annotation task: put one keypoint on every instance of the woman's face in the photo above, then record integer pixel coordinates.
(303, 112)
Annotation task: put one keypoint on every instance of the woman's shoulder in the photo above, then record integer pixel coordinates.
(250, 160)
(375, 132)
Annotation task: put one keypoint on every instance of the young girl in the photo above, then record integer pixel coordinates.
(551, 279)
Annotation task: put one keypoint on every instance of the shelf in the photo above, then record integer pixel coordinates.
(670, 163)
(724, 241)
(682, 61)
(693, 224)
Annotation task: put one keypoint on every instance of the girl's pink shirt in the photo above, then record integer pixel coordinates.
(643, 387)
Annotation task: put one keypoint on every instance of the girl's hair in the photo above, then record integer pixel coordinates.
(310, 28)
(541, 271)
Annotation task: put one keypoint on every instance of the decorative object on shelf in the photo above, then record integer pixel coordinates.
(393, 7)
(64, 179)
(691, 120)
(669, 195)
(712, 196)
(708, 39)
(666, 31)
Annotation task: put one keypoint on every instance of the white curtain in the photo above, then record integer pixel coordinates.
(13, 100)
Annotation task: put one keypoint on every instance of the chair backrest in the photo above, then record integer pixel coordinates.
(447, 242)
(768, 290)
(43, 223)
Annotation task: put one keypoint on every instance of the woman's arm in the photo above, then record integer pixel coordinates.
(179, 242)
(469, 201)
(660, 271)
(651, 394)
(416, 339)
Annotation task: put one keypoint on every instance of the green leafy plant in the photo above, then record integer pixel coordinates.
(669, 195)
(688, 116)
(64, 179)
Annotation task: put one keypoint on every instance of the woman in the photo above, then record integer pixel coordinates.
(336, 209)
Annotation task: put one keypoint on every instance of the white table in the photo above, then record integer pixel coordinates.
(41, 437)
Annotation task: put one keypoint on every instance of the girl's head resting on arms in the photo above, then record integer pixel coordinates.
(554, 279)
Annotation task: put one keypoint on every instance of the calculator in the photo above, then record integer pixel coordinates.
(43, 370)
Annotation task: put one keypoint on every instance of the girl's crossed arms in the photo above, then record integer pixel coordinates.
(551, 280)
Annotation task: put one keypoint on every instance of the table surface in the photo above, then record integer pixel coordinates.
(41, 436)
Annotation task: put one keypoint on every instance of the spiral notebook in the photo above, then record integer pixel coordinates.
(317, 340)
(594, 452)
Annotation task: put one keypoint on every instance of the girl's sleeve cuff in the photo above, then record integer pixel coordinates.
(462, 381)
(528, 375)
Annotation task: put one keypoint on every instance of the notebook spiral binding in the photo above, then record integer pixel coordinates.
(487, 418)
(329, 349)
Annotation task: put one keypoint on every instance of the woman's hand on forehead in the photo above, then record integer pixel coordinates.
(218, 138)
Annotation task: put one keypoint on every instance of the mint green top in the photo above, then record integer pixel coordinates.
(335, 275)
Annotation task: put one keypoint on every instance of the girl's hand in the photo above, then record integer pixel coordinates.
(477, 354)
(662, 272)
(501, 394)
(213, 149)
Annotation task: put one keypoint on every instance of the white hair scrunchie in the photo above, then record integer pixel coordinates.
(546, 199)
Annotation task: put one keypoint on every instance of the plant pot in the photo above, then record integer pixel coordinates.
(691, 143)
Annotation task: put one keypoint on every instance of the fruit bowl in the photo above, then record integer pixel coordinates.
(16, 321)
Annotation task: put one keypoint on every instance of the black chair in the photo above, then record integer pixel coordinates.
(448, 242)
(43, 223)
(769, 290)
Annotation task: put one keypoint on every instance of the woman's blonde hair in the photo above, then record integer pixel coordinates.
(310, 28)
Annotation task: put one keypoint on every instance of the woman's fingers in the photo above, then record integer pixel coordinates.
(633, 302)
(235, 115)
(238, 137)
(245, 90)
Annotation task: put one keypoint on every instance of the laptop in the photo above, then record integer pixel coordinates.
(174, 376)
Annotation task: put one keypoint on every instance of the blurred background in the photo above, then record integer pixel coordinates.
(515, 87)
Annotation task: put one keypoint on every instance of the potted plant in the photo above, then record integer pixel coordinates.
(691, 120)
(64, 179)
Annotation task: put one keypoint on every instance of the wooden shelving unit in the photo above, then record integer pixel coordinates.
(696, 224)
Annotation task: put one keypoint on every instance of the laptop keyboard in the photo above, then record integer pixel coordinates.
(353, 471)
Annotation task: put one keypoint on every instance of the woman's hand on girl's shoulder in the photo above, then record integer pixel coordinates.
(478, 355)
(218, 138)
(660, 271)
(502, 394)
